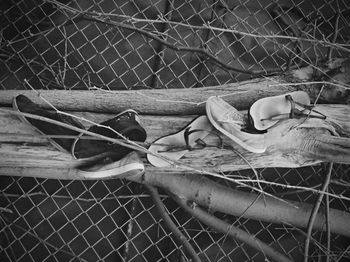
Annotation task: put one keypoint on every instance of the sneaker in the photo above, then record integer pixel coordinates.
(23, 104)
(266, 112)
(101, 159)
(230, 122)
(126, 123)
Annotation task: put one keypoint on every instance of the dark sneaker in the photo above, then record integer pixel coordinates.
(23, 104)
(126, 123)
(101, 159)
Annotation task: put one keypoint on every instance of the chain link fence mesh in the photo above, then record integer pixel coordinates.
(155, 44)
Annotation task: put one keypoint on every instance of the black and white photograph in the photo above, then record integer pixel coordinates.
(174, 131)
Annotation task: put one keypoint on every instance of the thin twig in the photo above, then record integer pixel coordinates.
(3, 225)
(21, 136)
(312, 239)
(4, 209)
(45, 243)
(328, 227)
(65, 63)
(102, 18)
(315, 212)
(171, 225)
(162, 20)
(336, 31)
(342, 85)
(313, 190)
(79, 199)
(252, 168)
(129, 232)
(240, 216)
(232, 231)
(347, 250)
(340, 182)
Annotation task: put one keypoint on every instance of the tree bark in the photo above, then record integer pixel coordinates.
(172, 102)
(310, 143)
(205, 192)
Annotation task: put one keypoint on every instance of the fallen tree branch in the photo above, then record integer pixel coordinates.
(209, 194)
(177, 102)
(230, 230)
(315, 211)
(170, 224)
(288, 144)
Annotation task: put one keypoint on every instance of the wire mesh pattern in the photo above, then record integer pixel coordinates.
(155, 44)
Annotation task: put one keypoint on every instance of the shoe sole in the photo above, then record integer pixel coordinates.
(130, 165)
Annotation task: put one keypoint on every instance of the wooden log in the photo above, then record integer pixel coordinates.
(209, 194)
(216, 197)
(21, 154)
(286, 146)
(172, 102)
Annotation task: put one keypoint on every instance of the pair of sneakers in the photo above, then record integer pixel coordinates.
(97, 158)
(248, 132)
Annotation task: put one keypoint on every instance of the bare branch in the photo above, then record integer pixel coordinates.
(315, 211)
(102, 18)
(232, 231)
(170, 224)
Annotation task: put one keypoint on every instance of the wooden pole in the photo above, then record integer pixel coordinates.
(308, 144)
(170, 102)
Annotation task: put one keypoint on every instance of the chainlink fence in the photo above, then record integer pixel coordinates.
(137, 44)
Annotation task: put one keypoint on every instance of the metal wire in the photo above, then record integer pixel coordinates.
(55, 47)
